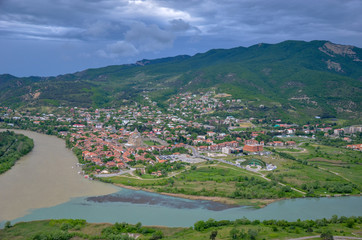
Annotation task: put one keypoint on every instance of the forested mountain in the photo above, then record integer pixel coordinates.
(292, 77)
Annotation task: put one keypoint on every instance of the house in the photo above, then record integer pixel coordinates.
(111, 164)
(78, 125)
(338, 131)
(357, 147)
(253, 148)
(226, 150)
(202, 148)
(278, 144)
(290, 131)
(251, 142)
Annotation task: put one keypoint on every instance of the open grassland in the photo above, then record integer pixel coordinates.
(66, 229)
(216, 180)
(150, 143)
(320, 170)
(340, 155)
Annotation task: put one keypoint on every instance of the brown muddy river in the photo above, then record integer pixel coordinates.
(46, 177)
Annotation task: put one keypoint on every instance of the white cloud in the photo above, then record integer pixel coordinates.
(128, 29)
(154, 9)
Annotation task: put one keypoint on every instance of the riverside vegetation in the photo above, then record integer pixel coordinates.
(65, 229)
(12, 148)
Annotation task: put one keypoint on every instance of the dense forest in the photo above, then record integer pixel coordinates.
(12, 148)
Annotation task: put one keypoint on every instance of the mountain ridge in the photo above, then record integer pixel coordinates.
(318, 77)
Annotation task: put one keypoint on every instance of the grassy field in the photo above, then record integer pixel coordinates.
(150, 143)
(292, 150)
(66, 229)
(216, 180)
(320, 170)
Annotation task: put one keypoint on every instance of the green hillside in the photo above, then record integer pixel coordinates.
(294, 78)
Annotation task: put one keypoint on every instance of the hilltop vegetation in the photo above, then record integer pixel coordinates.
(12, 148)
(293, 78)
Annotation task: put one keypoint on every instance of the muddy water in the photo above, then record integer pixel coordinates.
(46, 177)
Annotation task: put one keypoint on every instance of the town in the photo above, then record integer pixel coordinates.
(144, 141)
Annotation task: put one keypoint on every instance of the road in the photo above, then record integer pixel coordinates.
(114, 174)
(318, 237)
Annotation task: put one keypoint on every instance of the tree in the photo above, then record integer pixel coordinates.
(350, 222)
(199, 226)
(252, 234)
(8, 225)
(157, 235)
(213, 235)
(327, 235)
(234, 233)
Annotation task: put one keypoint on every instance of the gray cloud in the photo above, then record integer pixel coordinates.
(118, 49)
(124, 28)
(149, 37)
(179, 25)
(139, 38)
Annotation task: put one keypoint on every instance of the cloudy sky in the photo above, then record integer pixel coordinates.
(51, 37)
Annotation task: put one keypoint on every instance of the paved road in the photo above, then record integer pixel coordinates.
(113, 174)
(318, 236)
(195, 153)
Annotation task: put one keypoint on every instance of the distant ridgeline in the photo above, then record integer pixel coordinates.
(294, 78)
(12, 147)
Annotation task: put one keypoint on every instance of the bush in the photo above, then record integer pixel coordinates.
(157, 235)
(8, 225)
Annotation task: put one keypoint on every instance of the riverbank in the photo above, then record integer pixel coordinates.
(256, 203)
(45, 177)
(12, 147)
(339, 228)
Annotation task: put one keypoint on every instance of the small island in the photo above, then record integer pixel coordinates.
(12, 147)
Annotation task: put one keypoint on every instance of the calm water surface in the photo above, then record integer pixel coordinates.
(46, 181)
(154, 209)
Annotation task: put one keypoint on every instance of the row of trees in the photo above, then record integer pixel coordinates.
(306, 224)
